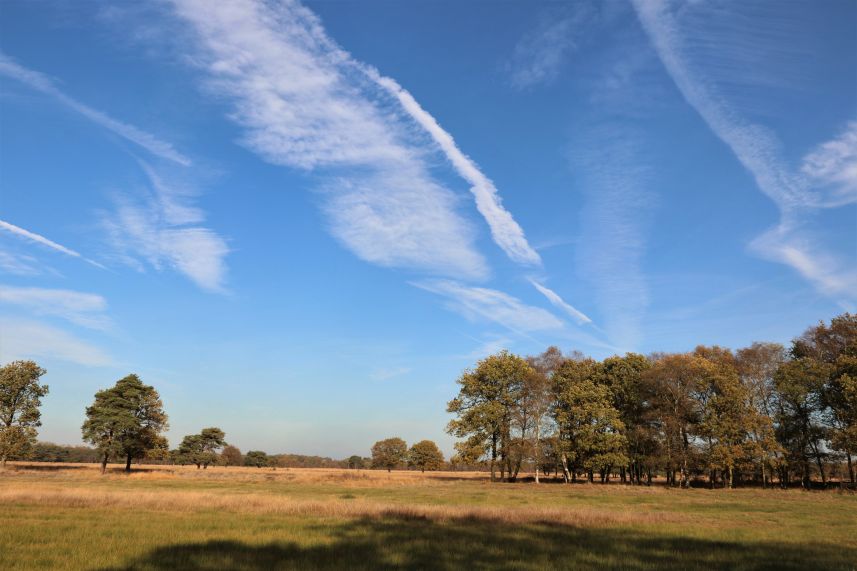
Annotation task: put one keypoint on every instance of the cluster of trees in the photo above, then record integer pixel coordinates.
(392, 453)
(760, 414)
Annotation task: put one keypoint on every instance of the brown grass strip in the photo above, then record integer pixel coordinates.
(266, 504)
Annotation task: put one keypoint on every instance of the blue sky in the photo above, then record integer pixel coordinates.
(301, 222)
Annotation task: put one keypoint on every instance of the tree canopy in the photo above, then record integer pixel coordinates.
(125, 420)
(425, 455)
(20, 398)
(389, 453)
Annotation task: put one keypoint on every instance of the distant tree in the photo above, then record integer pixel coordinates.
(257, 459)
(125, 420)
(389, 453)
(201, 449)
(485, 409)
(231, 456)
(425, 455)
(50, 452)
(355, 462)
(20, 398)
(159, 452)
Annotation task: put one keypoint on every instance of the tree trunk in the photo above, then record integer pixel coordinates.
(731, 476)
(847, 455)
(685, 478)
(3, 464)
(538, 451)
(104, 463)
(493, 457)
(128, 463)
(566, 476)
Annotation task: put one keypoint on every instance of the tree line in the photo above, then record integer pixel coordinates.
(126, 421)
(762, 414)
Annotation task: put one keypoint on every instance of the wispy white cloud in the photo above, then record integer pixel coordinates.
(155, 230)
(758, 150)
(489, 345)
(540, 54)
(306, 103)
(39, 239)
(478, 303)
(506, 232)
(44, 84)
(19, 264)
(613, 228)
(84, 309)
(557, 301)
(27, 339)
(833, 166)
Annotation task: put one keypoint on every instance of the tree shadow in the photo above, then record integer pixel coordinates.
(397, 543)
(44, 467)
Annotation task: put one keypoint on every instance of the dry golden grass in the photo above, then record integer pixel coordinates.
(166, 517)
(265, 504)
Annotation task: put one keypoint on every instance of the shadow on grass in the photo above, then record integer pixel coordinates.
(423, 544)
(46, 467)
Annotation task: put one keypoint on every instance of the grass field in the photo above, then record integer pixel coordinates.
(72, 517)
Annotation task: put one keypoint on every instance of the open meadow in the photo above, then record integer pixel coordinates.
(69, 516)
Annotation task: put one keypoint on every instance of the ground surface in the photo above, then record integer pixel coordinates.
(159, 518)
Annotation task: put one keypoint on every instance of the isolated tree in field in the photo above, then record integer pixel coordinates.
(257, 459)
(231, 456)
(125, 420)
(425, 455)
(485, 408)
(355, 462)
(389, 453)
(20, 398)
(201, 449)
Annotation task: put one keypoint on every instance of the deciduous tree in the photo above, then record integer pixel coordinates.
(425, 455)
(389, 453)
(257, 459)
(590, 430)
(485, 408)
(20, 398)
(231, 456)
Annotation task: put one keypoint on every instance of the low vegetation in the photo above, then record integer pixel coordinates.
(72, 517)
(775, 427)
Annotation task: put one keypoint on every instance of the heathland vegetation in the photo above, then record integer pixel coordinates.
(762, 415)
(710, 418)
